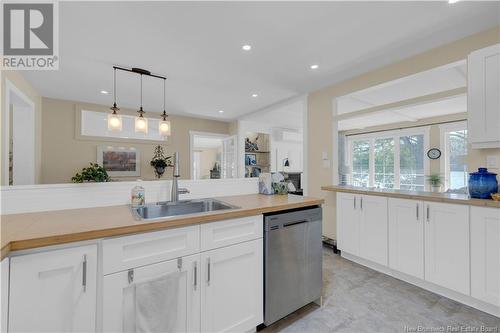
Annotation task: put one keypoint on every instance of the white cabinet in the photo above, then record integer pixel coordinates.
(373, 229)
(483, 70)
(54, 291)
(348, 223)
(406, 236)
(4, 283)
(186, 302)
(485, 254)
(232, 288)
(447, 246)
(362, 221)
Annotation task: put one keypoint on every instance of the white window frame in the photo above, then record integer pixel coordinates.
(443, 142)
(395, 134)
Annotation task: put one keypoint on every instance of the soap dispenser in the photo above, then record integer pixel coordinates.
(138, 196)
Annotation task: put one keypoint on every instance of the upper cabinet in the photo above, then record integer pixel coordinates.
(484, 97)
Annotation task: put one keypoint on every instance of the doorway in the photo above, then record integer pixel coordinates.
(213, 156)
(18, 128)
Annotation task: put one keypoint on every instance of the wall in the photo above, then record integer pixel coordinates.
(64, 153)
(208, 157)
(17, 80)
(320, 108)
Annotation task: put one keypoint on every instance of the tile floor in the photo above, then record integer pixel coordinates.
(358, 299)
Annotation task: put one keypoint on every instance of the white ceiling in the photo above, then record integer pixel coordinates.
(198, 46)
(424, 83)
(287, 115)
(457, 104)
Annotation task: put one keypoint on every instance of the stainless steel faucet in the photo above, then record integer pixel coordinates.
(174, 196)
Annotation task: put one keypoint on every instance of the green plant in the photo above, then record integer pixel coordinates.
(94, 173)
(435, 180)
(161, 162)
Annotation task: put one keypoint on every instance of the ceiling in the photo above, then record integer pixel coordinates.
(286, 115)
(198, 46)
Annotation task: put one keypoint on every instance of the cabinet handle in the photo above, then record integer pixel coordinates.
(418, 213)
(361, 203)
(355, 203)
(208, 271)
(84, 273)
(195, 273)
(428, 214)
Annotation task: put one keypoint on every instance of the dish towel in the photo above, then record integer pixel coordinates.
(151, 306)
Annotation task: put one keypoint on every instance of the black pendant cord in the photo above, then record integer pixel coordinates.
(164, 115)
(114, 108)
(141, 111)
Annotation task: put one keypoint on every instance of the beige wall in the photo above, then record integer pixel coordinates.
(25, 87)
(64, 153)
(320, 107)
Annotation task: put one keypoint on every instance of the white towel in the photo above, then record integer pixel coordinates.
(151, 306)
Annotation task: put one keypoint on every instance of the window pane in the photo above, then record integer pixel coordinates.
(384, 163)
(360, 163)
(457, 159)
(412, 162)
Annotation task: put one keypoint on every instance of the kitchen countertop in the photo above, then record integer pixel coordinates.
(416, 195)
(31, 230)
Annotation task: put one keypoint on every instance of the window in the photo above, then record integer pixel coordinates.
(392, 159)
(454, 159)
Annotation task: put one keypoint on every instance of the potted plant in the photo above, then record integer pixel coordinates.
(94, 173)
(435, 181)
(160, 161)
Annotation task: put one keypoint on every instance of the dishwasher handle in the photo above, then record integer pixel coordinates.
(290, 224)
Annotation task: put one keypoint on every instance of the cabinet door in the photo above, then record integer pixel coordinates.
(447, 246)
(373, 229)
(348, 222)
(232, 288)
(54, 291)
(485, 254)
(188, 298)
(406, 236)
(484, 96)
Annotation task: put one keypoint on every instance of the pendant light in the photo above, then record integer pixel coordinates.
(164, 124)
(141, 123)
(114, 119)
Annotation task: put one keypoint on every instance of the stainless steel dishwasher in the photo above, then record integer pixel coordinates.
(292, 261)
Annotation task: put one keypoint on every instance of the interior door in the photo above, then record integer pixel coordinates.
(348, 222)
(406, 236)
(232, 288)
(228, 158)
(447, 246)
(54, 291)
(188, 299)
(373, 229)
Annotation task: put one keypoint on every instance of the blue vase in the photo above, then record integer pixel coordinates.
(482, 183)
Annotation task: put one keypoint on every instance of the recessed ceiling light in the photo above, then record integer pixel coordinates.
(314, 66)
(221, 111)
(246, 47)
(104, 92)
(453, 1)
(255, 95)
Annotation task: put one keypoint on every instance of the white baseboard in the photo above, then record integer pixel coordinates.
(38, 198)
(456, 296)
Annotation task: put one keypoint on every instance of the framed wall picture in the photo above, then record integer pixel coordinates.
(119, 161)
(250, 159)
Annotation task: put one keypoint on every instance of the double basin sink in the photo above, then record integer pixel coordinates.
(163, 210)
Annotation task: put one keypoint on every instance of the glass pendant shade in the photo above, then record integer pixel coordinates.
(141, 124)
(164, 127)
(114, 122)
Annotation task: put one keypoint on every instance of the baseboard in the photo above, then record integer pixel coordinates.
(451, 294)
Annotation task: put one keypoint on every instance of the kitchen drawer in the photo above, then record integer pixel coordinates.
(126, 252)
(228, 232)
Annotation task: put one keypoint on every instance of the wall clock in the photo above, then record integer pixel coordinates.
(434, 153)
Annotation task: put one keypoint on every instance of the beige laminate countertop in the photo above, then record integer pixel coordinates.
(31, 230)
(416, 195)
